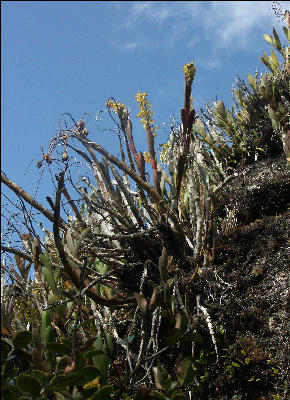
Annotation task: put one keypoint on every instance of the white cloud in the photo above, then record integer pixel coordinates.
(233, 22)
(226, 23)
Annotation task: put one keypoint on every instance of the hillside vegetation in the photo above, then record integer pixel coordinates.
(163, 274)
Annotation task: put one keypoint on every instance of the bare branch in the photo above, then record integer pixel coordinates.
(19, 253)
(30, 200)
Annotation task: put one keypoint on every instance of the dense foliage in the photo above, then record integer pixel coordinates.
(115, 308)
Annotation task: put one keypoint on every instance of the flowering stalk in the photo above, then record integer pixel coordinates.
(188, 118)
(146, 113)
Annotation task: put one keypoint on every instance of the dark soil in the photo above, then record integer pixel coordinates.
(245, 290)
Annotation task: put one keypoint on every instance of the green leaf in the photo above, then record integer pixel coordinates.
(199, 128)
(185, 372)
(247, 360)
(49, 335)
(58, 348)
(98, 344)
(7, 393)
(39, 375)
(266, 62)
(169, 283)
(73, 265)
(275, 123)
(243, 352)
(104, 393)
(277, 40)
(101, 360)
(10, 392)
(80, 361)
(177, 396)
(271, 113)
(91, 353)
(60, 382)
(70, 243)
(220, 109)
(8, 370)
(268, 38)
(66, 342)
(28, 383)
(274, 59)
(108, 343)
(162, 378)
(230, 369)
(158, 395)
(6, 344)
(236, 365)
(89, 373)
(22, 339)
(252, 81)
(49, 278)
(108, 292)
(100, 267)
(44, 259)
(59, 396)
(163, 265)
(286, 32)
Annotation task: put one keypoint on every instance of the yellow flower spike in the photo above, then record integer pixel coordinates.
(163, 153)
(147, 157)
(116, 106)
(94, 383)
(189, 72)
(146, 113)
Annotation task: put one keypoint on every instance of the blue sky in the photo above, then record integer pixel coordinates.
(71, 56)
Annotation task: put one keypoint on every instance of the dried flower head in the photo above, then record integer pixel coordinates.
(39, 164)
(47, 158)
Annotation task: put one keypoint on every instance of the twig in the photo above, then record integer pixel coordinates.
(17, 252)
(73, 206)
(157, 354)
(25, 196)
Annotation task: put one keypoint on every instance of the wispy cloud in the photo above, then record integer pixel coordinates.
(130, 45)
(226, 24)
(154, 11)
(232, 23)
(209, 63)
